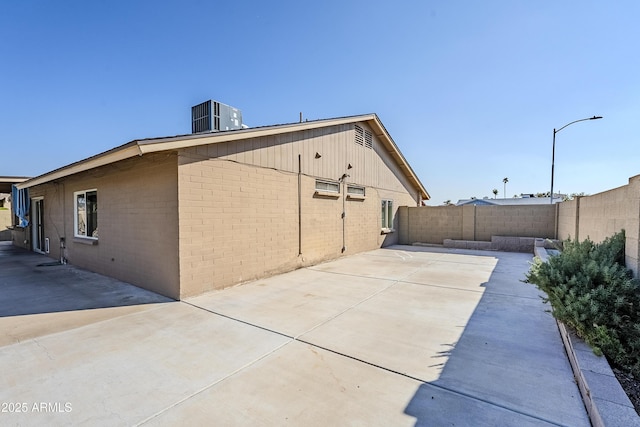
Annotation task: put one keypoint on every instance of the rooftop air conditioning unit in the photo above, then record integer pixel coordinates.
(213, 116)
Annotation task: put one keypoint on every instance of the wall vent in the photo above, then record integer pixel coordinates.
(368, 139)
(213, 116)
(359, 135)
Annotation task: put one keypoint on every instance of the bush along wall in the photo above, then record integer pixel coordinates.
(591, 291)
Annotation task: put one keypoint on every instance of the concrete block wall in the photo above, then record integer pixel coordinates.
(430, 224)
(235, 221)
(513, 244)
(476, 223)
(137, 222)
(516, 221)
(497, 243)
(567, 219)
(240, 222)
(601, 215)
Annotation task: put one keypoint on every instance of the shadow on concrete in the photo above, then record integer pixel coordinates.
(31, 283)
(508, 366)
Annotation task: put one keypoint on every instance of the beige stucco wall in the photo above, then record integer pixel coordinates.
(601, 215)
(567, 215)
(239, 206)
(137, 221)
(434, 224)
(431, 224)
(521, 221)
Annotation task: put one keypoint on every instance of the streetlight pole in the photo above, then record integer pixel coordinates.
(553, 152)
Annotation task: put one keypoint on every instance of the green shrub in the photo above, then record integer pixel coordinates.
(592, 292)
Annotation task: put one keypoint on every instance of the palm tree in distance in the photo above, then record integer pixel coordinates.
(505, 180)
(495, 193)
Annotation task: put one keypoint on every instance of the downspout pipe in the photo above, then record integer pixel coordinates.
(300, 202)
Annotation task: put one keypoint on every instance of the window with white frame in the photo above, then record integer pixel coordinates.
(86, 213)
(327, 186)
(387, 214)
(355, 190)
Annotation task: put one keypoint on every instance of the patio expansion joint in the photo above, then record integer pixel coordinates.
(268, 353)
(438, 386)
(299, 338)
(88, 325)
(213, 384)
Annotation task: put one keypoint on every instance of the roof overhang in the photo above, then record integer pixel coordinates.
(7, 181)
(174, 143)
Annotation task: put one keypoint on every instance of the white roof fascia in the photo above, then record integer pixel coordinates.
(83, 165)
(140, 147)
(176, 143)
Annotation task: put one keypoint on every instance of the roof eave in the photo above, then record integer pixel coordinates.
(120, 153)
(179, 142)
(140, 147)
(381, 132)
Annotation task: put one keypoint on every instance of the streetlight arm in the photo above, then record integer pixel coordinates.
(553, 153)
(576, 121)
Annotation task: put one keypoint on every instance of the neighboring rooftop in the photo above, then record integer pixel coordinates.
(512, 201)
(7, 181)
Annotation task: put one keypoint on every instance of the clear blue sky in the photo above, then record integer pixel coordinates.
(470, 90)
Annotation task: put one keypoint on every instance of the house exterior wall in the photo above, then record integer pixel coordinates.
(137, 221)
(434, 224)
(240, 204)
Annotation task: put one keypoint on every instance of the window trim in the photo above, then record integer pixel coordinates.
(327, 192)
(328, 182)
(357, 195)
(75, 213)
(387, 205)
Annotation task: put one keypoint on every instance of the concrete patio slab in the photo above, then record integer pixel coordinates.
(126, 369)
(385, 329)
(322, 388)
(291, 303)
(470, 275)
(370, 339)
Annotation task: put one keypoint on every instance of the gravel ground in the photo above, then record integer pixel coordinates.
(631, 386)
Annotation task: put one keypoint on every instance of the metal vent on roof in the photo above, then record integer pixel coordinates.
(213, 116)
(359, 135)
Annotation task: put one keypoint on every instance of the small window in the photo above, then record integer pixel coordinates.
(387, 214)
(359, 135)
(86, 213)
(355, 190)
(328, 186)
